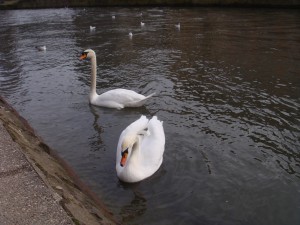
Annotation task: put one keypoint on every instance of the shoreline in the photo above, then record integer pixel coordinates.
(36, 4)
(79, 202)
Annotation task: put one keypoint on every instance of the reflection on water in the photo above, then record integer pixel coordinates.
(227, 88)
(136, 207)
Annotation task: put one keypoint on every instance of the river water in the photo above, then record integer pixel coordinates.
(227, 87)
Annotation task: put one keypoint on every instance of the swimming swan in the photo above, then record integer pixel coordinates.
(117, 98)
(140, 149)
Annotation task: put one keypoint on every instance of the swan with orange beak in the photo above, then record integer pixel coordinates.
(140, 150)
(117, 98)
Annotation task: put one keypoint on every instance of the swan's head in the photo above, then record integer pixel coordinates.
(89, 53)
(127, 147)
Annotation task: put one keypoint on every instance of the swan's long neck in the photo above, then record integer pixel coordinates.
(135, 154)
(93, 75)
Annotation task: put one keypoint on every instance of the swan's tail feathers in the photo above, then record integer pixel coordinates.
(156, 120)
(155, 127)
(141, 102)
(150, 95)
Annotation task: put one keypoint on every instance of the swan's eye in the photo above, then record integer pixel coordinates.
(83, 55)
(124, 152)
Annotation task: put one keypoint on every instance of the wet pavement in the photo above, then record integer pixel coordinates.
(25, 198)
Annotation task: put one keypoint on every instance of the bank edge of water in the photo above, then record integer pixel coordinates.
(33, 4)
(83, 206)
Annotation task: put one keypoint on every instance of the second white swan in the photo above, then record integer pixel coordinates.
(117, 98)
(140, 149)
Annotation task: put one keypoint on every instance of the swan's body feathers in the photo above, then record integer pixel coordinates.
(119, 98)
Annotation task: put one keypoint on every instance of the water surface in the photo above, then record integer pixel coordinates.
(227, 88)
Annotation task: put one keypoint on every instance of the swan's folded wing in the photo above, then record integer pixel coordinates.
(121, 96)
(156, 129)
(153, 145)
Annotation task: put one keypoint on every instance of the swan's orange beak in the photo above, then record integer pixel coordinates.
(83, 56)
(124, 158)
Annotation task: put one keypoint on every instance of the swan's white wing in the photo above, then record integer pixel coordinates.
(119, 98)
(153, 145)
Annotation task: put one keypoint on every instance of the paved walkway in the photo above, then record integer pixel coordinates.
(24, 197)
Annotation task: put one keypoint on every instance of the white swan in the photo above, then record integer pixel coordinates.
(117, 98)
(92, 28)
(140, 149)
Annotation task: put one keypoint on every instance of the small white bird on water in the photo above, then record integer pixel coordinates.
(113, 17)
(92, 28)
(130, 35)
(177, 26)
(142, 24)
(41, 48)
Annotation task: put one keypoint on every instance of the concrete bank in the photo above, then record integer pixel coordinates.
(36, 186)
